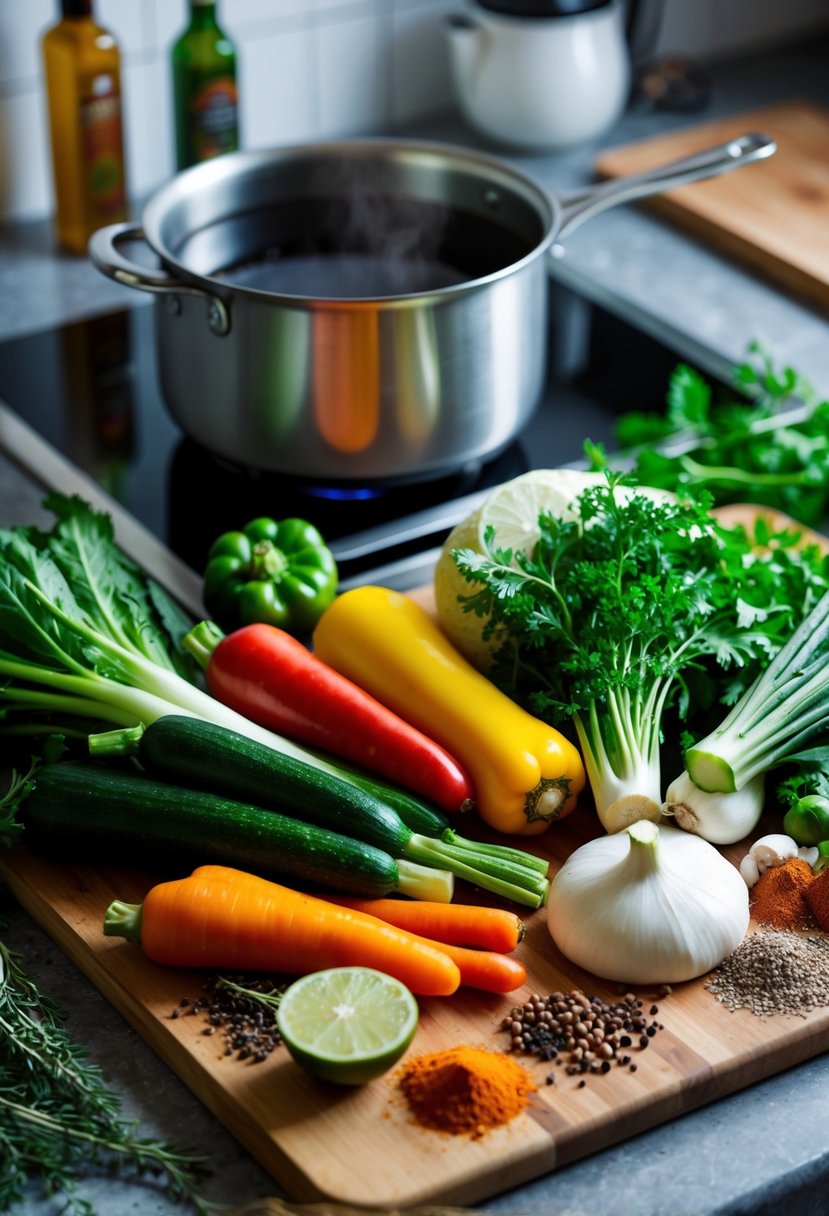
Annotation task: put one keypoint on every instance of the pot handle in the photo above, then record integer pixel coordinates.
(106, 256)
(584, 204)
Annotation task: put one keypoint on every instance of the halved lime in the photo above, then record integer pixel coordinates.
(347, 1024)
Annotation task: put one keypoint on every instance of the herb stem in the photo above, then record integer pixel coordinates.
(721, 473)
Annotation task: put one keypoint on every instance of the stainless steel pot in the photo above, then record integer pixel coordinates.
(360, 311)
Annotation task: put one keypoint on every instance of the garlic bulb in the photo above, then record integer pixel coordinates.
(648, 905)
(718, 818)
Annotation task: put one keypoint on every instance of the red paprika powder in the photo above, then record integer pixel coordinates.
(778, 898)
(817, 897)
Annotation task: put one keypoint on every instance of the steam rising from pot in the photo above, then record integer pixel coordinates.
(352, 238)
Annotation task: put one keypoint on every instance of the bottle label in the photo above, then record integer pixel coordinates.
(213, 119)
(103, 150)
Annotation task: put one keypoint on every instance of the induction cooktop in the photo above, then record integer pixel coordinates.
(90, 389)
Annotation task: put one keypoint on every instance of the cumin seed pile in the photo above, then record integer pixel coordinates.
(774, 971)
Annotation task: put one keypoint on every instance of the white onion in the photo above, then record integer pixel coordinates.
(648, 905)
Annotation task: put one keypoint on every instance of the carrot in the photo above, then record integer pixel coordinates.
(485, 970)
(451, 924)
(221, 917)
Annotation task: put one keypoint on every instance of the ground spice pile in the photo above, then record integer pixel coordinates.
(779, 897)
(774, 971)
(817, 897)
(465, 1090)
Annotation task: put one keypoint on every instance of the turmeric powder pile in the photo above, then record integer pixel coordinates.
(465, 1090)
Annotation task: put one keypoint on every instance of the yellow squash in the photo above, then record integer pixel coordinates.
(526, 774)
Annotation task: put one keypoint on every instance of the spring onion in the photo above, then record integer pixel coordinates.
(786, 707)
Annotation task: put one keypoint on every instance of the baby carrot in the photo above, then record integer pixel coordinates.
(221, 917)
(485, 970)
(452, 924)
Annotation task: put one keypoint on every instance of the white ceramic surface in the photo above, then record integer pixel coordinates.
(540, 82)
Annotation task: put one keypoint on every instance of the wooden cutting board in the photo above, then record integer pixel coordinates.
(774, 214)
(361, 1147)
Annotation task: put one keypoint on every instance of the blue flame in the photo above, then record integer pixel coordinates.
(345, 493)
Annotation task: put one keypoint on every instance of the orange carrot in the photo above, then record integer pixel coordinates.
(452, 924)
(220, 917)
(485, 970)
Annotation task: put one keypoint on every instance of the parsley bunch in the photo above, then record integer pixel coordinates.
(771, 449)
(614, 611)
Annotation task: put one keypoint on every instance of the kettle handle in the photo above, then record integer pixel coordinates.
(106, 257)
(582, 205)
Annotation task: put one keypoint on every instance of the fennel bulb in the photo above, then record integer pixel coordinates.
(648, 905)
(718, 818)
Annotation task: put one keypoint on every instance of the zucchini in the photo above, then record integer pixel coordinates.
(100, 812)
(200, 754)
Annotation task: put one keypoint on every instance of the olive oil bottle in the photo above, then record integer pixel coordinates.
(204, 89)
(82, 66)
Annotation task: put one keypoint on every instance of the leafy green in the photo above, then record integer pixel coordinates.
(56, 1112)
(87, 639)
(604, 622)
(806, 772)
(772, 449)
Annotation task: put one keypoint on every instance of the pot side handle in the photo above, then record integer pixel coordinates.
(584, 204)
(106, 257)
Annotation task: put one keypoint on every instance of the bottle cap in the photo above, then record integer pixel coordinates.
(76, 8)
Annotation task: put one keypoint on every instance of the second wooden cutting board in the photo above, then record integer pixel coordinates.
(773, 215)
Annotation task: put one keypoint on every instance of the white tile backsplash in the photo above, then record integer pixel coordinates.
(307, 69)
(282, 68)
(25, 162)
(354, 78)
(417, 50)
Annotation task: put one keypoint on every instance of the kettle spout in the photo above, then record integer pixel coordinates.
(464, 46)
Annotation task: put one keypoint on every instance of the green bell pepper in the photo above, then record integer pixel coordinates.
(278, 572)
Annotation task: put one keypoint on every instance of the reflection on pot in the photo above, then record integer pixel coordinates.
(280, 392)
(419, 382)
(98, 372)
(346, 362)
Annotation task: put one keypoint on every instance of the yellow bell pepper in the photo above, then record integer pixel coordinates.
(525, 773)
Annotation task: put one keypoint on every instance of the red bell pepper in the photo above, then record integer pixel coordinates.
(275, 680)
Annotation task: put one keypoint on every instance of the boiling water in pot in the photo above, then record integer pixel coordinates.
(344, 276)
(318, 250)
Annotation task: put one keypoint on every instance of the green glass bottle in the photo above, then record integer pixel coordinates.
(204, 89)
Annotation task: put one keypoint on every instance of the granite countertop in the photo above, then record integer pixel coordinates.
(749, 1153)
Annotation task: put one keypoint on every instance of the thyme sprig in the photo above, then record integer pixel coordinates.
(56, 1111)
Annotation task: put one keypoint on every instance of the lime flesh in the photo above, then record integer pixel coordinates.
(347, 1025)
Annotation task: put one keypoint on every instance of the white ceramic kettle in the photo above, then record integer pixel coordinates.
(540, 82)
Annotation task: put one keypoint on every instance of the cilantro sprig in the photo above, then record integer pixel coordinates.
(617, 613)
